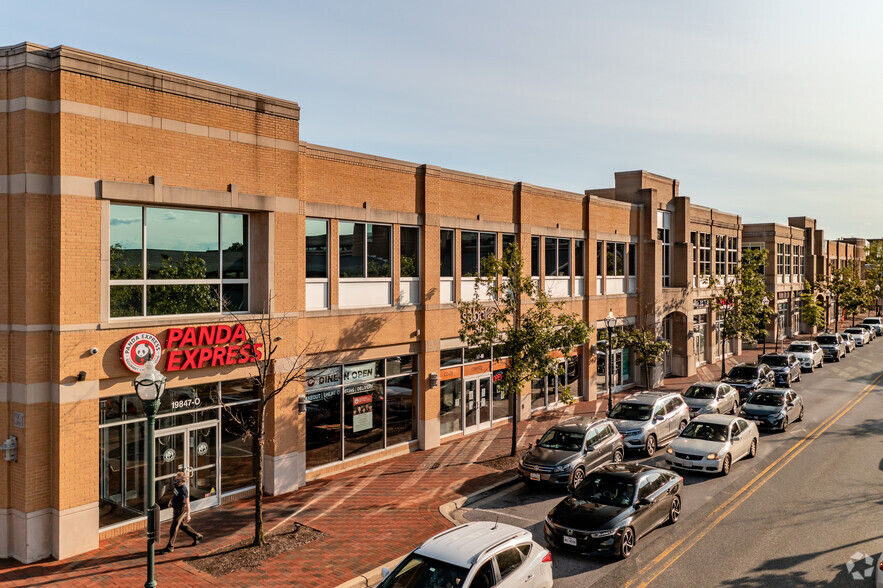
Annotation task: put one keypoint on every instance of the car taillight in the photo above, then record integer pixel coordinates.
(548, 557)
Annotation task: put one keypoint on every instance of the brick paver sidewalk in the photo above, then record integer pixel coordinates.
(370, 516)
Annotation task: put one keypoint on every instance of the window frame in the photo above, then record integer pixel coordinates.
(556, 269)
(145, 282)
(453, 253)
(327, 248)
(417, 259)
(365, 276)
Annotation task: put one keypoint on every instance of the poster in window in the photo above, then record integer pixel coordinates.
(363, 413)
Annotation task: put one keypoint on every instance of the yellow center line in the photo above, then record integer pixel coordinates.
(737, 499)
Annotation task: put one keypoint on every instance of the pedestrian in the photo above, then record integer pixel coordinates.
(180, 505)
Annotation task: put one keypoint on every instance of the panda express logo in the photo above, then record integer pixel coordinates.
(138, 348)
(191, 348)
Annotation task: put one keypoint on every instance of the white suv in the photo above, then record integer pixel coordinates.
(876, 322)
(475, 555)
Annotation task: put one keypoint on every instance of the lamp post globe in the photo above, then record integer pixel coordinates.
(610, 322)
(149, 385)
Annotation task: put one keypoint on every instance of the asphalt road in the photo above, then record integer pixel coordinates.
(792, 516)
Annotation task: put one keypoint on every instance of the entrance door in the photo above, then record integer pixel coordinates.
(477, 405)
(667, 330)
(193, 450)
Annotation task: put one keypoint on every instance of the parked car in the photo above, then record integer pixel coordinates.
(876, 322)
(878, 582)
(848, 341)
(871, 330)
(832, 347)
(748, 377)
(809, 353)
(785, 366)
(712, 443)
(711, 398)
(570, 449)
(861, 336)
(477, 554)
(648, 419)
(613, 507)
(774, 408)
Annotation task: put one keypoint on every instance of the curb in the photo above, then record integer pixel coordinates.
(373, 577)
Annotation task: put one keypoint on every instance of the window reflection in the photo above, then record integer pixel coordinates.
(317, 248)
(126, 231)
(234, 246)
(182, 244)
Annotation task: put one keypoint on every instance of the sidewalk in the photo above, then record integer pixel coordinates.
(370, 515)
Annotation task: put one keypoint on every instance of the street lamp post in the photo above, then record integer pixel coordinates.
(726, 308)
(610, 321)
(877, 299)
(765, 302)
(149, 385)
(828, 311)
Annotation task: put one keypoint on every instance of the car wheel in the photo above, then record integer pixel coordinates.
(800, 416)
(812, 368)
(799, 375)
(822, 362)
(725, 467)
(735, 408)
(674, 513)
(752, 451)
(784, 424)
(627, 542)
(617, 456)
(788, 381)
(579, 475)
(681, 426)
(650, 447)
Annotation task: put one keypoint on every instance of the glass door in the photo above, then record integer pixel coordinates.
(193, 450)
(477, 405)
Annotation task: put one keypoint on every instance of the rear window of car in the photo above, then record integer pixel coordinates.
(855, 331)
(871, 321)
(826, 340)
(801, 348)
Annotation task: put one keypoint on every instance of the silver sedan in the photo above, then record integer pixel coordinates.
(711, 398)
(713, 443)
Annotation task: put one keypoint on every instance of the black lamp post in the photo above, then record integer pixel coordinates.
(877, 300)
(610, 321)
(765, 302)
(726, 308)
(149, 385)
(828, 311)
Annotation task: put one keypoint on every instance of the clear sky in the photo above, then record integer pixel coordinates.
(766, 109)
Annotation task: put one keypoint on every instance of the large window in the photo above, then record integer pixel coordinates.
(663, 233)
(557, 257)
(365, 250)
(780, 259)
(508, 241)
(357, 408)
(535, 256)
(732, 255)
(446, 253)
(579, 258)
(720, 255)
(633, 260)
(167, 261)
(409, 252)
(788, 259)
(317, 248)
(704, 254)
(615, 259)
(474, 249)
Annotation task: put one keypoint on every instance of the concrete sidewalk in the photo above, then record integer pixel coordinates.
(370, 515)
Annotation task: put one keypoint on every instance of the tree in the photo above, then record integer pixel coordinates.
(874, 270)
(844, 286)
(813, 313)
(270, 377)
(740, 299)
(521, 323)
(648, 349)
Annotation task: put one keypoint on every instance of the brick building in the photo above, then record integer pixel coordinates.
(143, 209)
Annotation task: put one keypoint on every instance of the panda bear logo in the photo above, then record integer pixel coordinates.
(138, 348)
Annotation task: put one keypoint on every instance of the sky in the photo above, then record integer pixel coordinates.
(765, 109)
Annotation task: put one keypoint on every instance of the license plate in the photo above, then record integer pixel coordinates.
(535, 477)
(570, 540)
(688, 463)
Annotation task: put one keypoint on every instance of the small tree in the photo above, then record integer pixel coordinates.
(740, 300)
(874, 271)
(270, 377)
(844, 286)
(648, 349)
(521, 323)
(813, 313)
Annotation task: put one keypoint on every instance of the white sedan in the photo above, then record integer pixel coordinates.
(712, 443)
(861, 336)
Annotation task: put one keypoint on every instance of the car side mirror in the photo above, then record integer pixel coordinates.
(736, 437)
(644, 501)
(384, 572)
(590, 448)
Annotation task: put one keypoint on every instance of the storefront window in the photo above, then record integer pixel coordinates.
(538, 393)
(572, 375)
(145, 272)
(401, 409)
(363, 418)
(449, 357)
(237, 446)
(501, 400)
(450, 419)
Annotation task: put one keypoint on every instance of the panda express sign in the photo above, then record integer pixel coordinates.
(191, 348)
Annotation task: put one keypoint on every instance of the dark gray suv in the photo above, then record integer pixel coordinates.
(570, 449)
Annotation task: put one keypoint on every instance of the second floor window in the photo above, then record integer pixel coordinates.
(474, 249)
(704, 254)
(446, 247)
(720, 255)
(732, 255)
(535, 256)
(317, 248)
(579, 258)
(365, 250)
(557, 257)
(615, 260)
(409, 252)
(780, 258)
(787, 259)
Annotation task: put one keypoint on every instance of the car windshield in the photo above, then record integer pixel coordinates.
(564, 440)
(606, 489)
(855, 331)
(800, 348)
(826, 340)
(743, 373)
(871, 321)
(767, 399)
(631, 412)
(705, 431)
(418, 571)
(775, 360)
(700, 393)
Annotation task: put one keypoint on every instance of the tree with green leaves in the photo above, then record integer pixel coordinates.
(813, 312)
(521, 323)
(649, 350)
(738, 301)
(874, 271)
(843, 284)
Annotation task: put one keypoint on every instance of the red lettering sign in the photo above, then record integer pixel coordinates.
(192, 348)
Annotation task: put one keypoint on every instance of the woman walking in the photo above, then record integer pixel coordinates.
(180, 505)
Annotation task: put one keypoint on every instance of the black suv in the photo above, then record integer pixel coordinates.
(748, 377)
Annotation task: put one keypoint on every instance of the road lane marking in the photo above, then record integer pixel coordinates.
(792, 452)
(505, 514)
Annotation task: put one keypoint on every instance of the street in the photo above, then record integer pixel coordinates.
(794, 515)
